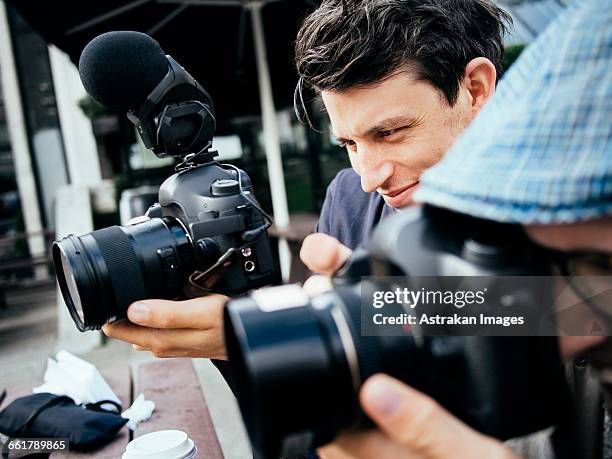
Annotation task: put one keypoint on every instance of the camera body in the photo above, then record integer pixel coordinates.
(210, 203)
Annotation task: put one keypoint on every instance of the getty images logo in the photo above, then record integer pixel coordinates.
(413, 298)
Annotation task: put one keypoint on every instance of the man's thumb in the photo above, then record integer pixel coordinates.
(323, 254)
(417, 422)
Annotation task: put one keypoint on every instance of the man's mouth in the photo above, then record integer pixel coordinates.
(400, 197)
(401, 190)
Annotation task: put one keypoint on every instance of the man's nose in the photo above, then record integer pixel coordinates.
(374, 169)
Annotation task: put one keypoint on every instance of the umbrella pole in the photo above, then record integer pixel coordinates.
(18, 137)
(271, 139)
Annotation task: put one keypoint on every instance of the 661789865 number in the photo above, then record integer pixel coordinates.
(32, 445)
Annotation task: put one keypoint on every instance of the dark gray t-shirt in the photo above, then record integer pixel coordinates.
(350, 214)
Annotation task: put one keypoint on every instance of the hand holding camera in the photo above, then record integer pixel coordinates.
(189, 328)
(295, 353)
(410, 426)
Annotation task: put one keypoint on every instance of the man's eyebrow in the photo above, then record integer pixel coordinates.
(392, 123)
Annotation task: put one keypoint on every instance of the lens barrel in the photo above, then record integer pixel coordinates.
(298, 364)
(101, 273)
(308, 358)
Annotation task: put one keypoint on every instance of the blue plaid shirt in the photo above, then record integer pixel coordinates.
(540, 150)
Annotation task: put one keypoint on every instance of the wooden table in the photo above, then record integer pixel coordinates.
(179, 404)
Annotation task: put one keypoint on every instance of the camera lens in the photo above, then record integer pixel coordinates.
(101, 273)
(300, 355)
(298, 364)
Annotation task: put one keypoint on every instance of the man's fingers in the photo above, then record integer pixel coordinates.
(412, 426)
(203, 313)
(364, 445)
(169, 342)
(191, 328)
(126, 331)
(323, 254)
(416, 421)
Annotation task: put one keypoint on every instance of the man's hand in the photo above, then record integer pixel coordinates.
(191, 328)
(323, 255)
(411, 425)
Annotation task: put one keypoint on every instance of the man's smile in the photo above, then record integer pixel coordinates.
(399, 197)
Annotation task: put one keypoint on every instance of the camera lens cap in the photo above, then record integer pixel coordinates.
(225, 187)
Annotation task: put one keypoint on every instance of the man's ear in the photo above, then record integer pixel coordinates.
(479, 80)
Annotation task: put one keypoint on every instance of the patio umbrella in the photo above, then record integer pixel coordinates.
(213, 39)
(236, 59)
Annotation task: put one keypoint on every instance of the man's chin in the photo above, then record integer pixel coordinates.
(403, 199)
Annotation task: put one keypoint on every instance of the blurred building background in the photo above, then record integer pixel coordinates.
(62, 154)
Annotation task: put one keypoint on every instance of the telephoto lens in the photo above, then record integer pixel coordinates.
(102, 272)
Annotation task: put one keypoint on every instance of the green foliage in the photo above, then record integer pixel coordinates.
(511, 53)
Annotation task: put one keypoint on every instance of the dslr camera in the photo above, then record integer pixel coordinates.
(207, 233)
(299, 360)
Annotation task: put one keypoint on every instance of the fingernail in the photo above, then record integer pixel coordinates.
(382, 396)
(139, 312)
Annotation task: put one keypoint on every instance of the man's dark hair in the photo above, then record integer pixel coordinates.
(347, 43)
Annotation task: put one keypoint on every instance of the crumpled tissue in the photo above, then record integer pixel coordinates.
(141, 410)
(81, 381)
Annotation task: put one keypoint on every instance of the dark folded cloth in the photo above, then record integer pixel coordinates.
(51, 416)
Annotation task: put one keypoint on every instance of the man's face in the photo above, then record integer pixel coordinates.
(395, 130)
(590, 236)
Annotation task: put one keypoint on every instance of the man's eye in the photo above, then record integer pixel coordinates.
(388, 132)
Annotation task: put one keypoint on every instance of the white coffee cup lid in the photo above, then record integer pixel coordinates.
(164, 444)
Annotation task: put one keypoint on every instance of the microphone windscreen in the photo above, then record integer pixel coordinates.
(120, 69)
